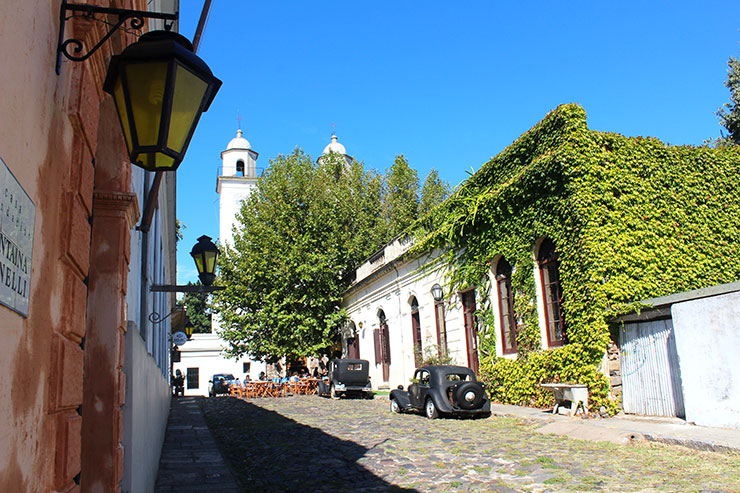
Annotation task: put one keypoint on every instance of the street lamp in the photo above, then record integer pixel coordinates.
(437, 293)
(159, 86)
(205, 254)
(189, 329)
(160, 89)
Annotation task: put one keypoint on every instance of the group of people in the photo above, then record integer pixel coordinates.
(316, 368)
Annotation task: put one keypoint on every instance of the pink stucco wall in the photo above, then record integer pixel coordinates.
(67, 354)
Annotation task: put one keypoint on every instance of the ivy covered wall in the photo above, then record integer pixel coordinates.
(632, 218)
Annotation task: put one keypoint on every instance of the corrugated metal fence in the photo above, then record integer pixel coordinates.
(651, 377)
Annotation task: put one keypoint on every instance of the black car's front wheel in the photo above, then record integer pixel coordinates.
(430, 409)
(395, 407)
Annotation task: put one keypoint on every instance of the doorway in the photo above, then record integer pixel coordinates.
(471, 328)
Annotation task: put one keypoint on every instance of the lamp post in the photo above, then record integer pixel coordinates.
(160, 89)
(205, 254)
(189, 329)
(437, 293)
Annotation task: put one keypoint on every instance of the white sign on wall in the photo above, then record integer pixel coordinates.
(17, 217)
(179, 338)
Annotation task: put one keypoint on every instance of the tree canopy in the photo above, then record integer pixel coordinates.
(300, 234)
(298, 239)
(729, 115)
(433, 192)
(402, 196)
(198, 310)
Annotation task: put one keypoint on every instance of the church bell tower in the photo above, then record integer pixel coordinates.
(237, 179)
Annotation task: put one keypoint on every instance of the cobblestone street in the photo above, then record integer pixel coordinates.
(308, 443)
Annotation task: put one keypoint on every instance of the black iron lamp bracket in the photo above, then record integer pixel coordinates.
(166, 288)
(71, 48)
(156, 318)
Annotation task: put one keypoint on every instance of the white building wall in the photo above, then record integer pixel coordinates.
(707, 332)
(147, 345)
(391, 291)
(145, 415)
(205, 352)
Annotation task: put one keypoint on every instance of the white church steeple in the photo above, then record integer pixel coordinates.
(235, 182)
(337, 148)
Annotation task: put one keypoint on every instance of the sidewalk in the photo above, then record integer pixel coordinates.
(623, 429)
(190, 459)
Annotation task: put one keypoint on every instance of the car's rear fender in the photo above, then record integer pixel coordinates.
(440, 401)
(402, 397)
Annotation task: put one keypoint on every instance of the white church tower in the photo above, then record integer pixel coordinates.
(337, 148)
(236, 181)
(203, 355)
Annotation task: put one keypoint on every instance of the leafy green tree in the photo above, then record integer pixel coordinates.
(198, 310)
(298, 237)
(729, 115)
(179, 227)
(433, 192)
(401, 197)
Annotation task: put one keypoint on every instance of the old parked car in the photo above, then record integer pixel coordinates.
(443, 390)
(347, 377)
(219, 384)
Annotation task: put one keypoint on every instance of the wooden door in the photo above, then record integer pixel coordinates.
(386, 348)
(416, 335)
(353, 347)
(382, 349)
(471, 328)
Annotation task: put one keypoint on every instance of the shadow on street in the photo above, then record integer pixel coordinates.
(268, 451)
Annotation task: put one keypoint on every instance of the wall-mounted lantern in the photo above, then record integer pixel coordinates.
(189, 329)
(437, 293)
(159, 86)
(160, 89)
(205, 254)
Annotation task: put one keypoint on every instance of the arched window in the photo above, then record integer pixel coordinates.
(547, 259)
(416, 330)
(240, 168)
(506, 306)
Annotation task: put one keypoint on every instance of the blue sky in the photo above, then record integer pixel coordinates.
(447, 84)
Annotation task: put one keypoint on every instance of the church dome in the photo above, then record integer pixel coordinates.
(240, 142)
(334, 146)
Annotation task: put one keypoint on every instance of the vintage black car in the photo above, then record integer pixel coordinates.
(347, 377)
(443, 390)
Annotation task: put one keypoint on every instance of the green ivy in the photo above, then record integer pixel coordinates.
(632, 219)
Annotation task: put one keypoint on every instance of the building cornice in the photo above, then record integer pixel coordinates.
(117, 204)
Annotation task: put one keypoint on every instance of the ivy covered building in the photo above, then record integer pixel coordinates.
(565, 230)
